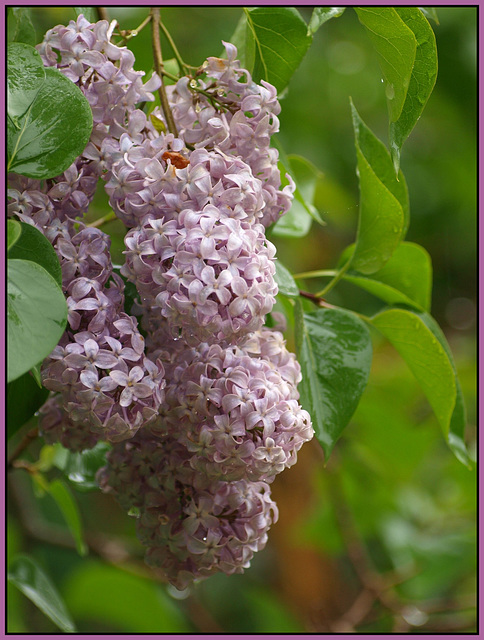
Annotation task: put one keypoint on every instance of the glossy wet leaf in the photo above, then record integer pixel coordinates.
(286, 283)
(383, 215)
(69, 509)
(25, 76)
(14, 231)
(36, 315)
(423, 350)
(30, 579)
(321, 15)
(34, 246)
(81, 468)
(53, 132)
(396, 46)
(422, 79)
(405, 279)
(335, 352)
(277, 41)
(24, 398)
(20, 27)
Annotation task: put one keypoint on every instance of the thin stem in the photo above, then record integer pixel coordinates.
(131, 33)
(109, 217)
(335, 280)
(316, 299)
(321, 302)
(324, 273)
(102, 13)
(169, 75)
(155, 30)
(23, 444)
(182, 65)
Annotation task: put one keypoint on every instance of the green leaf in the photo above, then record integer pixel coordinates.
(430, 13)
(24, 398)
(13, 233)
(20, 27)
(31, 580)
(395, 45)
(405, 279)
(239, 40)
(420, 343)
(285, 281)
(53, 132)
(456, 435)
(81, 468)
(296, 223)
(88, 12)
(277, 41)
(321, 15)
(25, 77)
(68, 506)
(422, 80)
(334, 351)
(36, 315)
(104, 594)
(34, 246)
(383, 214)
(35, 371)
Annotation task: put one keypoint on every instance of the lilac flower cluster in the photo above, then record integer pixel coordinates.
(205, 414)
(235, 409)
(108, 388)
(192, 526)
(198, 253)
(239, 117)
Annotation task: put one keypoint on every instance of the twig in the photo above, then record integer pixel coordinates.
(320, 302)
(102, 13)
(158, 59)
(23, 444)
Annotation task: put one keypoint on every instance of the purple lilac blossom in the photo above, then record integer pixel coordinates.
(192, 526)
(235, 409)
(240, 119)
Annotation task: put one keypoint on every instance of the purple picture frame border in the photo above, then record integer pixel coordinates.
(480, 235)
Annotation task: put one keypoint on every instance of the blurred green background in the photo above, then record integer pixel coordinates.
(382, 538)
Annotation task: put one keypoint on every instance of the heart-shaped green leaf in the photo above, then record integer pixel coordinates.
(25, 77)
(53, 132)
(34, 246)
(383, 217)
(321, 15)
(31, 580)
(395, 45)
(335, 353)
(36, 315)
(422, 79)
(276, 42)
